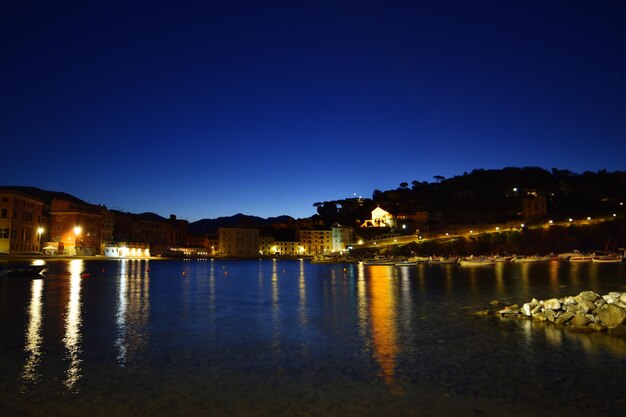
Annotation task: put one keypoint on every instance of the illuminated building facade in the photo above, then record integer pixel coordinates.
(380, 218)
(209, 242)
(342, 236)
(266, 245)
(21, 226)
(127, 250)
(316, 242)
(152, 229)
(76, 227)
(238, 242)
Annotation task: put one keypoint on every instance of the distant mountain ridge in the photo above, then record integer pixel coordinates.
(200, 226)
(43, 195)
(237, 220)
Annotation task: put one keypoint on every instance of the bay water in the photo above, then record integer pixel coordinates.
(291, 338)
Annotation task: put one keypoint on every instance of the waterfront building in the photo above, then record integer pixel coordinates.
(266, 245)
(153, 229)
(315, 242)
(238, 242)
(126, 250)
(21, 227)
(341, 238)
(288, 248)
(177, 235)
(76, 227)
(209, 242)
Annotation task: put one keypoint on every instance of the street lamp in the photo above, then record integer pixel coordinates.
(77, 231)
(40, 233)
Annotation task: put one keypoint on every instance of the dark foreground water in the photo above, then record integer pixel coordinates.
(287, 338)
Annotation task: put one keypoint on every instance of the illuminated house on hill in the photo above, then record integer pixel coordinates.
(380, 218)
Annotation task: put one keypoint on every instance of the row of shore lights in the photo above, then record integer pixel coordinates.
(570, 220)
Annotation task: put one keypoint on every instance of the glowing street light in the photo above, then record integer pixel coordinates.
(497, 228)
(522, 225)
(571, 220)
(77, 231)
(40, 233)
(551, 222)
(588, 218)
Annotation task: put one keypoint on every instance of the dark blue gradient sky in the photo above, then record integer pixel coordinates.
(205, 109)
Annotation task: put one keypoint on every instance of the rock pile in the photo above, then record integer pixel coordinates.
(585, 312)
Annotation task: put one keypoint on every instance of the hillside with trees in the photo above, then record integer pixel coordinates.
(488, 196)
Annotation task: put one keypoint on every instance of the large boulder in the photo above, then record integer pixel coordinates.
(611, 315)
(552, 304)
(587, 296)
(586, 306)
(580, 320)
(569, 301)
(565, 317)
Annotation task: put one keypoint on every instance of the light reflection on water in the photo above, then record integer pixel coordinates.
(133, 312)
(302, 294)
(34, 338)
(388, 333)
(383, 311)
(72, 337)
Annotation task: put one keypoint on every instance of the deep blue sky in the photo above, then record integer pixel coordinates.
(205, 109)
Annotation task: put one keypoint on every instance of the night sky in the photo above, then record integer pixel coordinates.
(206, 109)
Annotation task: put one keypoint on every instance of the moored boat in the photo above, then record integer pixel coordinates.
(528, 259)
(477, 261)
(443, 261)
(379, 262)
(581, 258)
(34, 271)
(612, 258)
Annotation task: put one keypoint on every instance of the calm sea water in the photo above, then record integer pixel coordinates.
(288, 338)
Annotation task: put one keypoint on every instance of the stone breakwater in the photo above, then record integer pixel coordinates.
(586, 312)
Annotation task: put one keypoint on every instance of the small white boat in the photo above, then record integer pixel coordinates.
(614, 258)
(443, 261)
(528, 259)
(581, 258)
(405, 263)
(379, 262)
(503, 258)
(477, 262)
